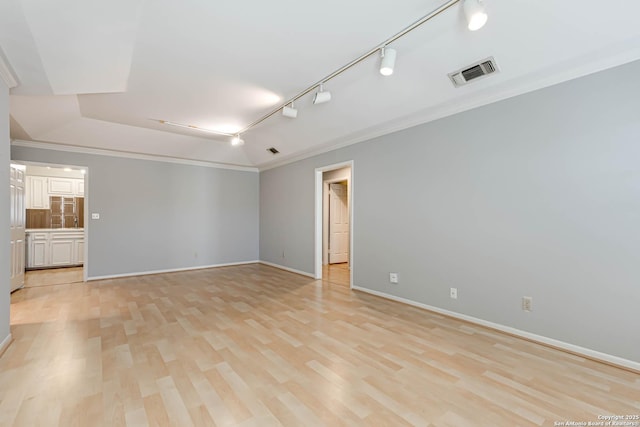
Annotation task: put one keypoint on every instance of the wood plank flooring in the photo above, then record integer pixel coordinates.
(337, 274)
(53, 276)
(256, 346)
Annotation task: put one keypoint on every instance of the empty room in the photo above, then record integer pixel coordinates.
(416, 213)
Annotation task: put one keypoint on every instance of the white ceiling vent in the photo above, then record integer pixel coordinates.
(480, 69)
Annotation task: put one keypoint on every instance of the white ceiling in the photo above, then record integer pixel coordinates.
(93, 73)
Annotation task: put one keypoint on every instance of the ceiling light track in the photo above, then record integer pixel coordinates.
(375, 50)
(473, 10)
(181, 125)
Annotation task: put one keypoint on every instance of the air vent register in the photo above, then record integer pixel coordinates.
(480, 69)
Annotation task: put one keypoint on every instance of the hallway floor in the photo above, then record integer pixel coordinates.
(52, 276)
(337, 274)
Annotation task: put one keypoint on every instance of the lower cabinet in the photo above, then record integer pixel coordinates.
(61, 251)
(78, 250)
(55, 249)
(37, 250)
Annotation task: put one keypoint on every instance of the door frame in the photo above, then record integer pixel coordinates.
(85, 262)
(318, 216)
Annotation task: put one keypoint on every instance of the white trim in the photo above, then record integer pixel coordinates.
(593, 354)
(291, 270)
(138, 156)
(171, 270)
(318, 216)
(6, 74)
(5, 344)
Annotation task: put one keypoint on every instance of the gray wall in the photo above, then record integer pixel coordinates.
(159, 216)
(5, 238)
(537, 195)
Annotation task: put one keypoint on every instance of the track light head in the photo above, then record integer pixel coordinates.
(388, 61)
(236, 141)
(475, 13)
(321, 96)
(290, 111)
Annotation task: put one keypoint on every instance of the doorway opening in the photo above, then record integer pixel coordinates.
(52, 207)
(334, 223)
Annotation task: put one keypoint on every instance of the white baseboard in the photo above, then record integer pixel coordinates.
(5, 344)
(587, 352)
(291, 270)
(172, 270)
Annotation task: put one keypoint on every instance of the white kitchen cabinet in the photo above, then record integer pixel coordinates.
(78, 251)
(79, 188)
(61, 186)
(61, 252)
(55, 248)
(40, 188)
(63, 247)
(37, 192)
(66, 187)
(37, 250)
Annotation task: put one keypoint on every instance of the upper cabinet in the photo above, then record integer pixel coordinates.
(37, 192)
(66, 187)
(79, 189)
(39, 188)
(61, 186)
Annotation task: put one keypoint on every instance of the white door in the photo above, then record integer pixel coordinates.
(17, 222)
(338, 224)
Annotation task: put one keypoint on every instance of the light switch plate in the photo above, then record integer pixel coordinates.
(95, 216)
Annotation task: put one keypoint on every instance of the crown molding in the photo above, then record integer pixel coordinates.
(6, 74)
(123, 154)
(479, 100)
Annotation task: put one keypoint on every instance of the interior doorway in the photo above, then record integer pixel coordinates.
(334, 223)
(52, 206)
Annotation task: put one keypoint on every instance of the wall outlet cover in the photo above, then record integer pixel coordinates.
(393, 277)
(453, 293)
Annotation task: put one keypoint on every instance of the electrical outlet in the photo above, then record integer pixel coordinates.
(453, 293)
(95, 216)
(527, 303)
(393, 277)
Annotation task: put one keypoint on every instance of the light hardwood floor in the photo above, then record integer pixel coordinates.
(256, 346)
(53, 276)
(337, 274)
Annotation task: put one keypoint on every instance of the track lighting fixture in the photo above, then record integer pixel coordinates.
(236, 141)
(290, 111)
(475, 13)
(322, 96)
(191, 127)
(388, 61)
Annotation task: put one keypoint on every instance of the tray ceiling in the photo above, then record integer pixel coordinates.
(94, 74)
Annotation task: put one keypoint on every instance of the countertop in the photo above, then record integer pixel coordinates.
(53, 230)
